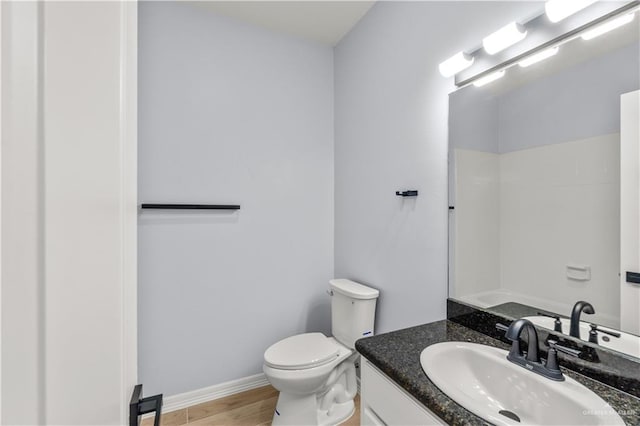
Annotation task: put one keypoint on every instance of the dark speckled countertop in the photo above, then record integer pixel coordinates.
(397, 354)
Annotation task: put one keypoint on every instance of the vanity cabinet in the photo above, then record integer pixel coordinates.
(385, 403)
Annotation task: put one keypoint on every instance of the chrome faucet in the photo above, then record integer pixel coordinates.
(580, 307)
(530, 360)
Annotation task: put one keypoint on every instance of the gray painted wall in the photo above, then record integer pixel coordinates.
(391, 134)
(576, 103)
(230, 114)
(473, 120)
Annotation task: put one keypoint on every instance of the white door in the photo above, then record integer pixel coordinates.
(68, 211)
(630, 211)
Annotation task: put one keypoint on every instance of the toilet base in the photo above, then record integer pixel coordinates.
(302, 410)
(295, 410)
(340, 412)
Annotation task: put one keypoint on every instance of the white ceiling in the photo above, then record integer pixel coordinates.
(322, 21)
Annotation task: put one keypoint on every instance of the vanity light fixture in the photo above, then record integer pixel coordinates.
(537, 57)
(514, 32)
(455, 64)
(608, 26)
(557, 10)
(489, 78)
(506, 36)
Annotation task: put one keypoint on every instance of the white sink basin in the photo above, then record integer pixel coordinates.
(480, 379)
(626, 343)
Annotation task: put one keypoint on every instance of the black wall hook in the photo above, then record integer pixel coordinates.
(410, 193)
(633, 277)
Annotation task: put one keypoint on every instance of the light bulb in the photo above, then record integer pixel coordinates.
(540, 56)
(557, 10)
(455, 64)
(489, 78)
(608, 26)
(506, 36)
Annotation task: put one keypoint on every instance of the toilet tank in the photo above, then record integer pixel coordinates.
(353, 311)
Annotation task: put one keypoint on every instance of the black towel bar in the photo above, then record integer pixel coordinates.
(190, 206)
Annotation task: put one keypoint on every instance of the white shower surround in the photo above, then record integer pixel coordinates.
(510, 208)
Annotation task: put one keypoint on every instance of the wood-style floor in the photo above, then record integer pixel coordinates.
(250, 408)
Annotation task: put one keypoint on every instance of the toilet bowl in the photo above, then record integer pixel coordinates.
(315, 374)
(327, 381)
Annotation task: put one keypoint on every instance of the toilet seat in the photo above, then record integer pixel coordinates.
(301, 351)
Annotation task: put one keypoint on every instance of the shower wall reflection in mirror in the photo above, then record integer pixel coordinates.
(534, 178)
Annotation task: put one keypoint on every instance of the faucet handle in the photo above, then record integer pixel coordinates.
(502, 327)
(557, 347)
(557, 323)
(596, 327)
(593, 334)
(552, 357)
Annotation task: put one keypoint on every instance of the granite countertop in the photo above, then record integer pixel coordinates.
(397, 354)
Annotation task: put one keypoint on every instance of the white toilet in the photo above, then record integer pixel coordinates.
(316, 374)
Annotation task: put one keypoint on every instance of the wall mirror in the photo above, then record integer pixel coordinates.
(534, 178)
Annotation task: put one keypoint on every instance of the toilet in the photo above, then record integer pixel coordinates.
(316, 374)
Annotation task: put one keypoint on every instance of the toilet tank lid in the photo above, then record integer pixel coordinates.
(353, 289)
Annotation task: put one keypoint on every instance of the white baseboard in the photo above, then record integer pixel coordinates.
(198, 396)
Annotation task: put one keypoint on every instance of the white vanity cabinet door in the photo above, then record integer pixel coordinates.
(385, 403)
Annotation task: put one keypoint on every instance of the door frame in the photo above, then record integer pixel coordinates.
(129, 193)
(629, 211)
